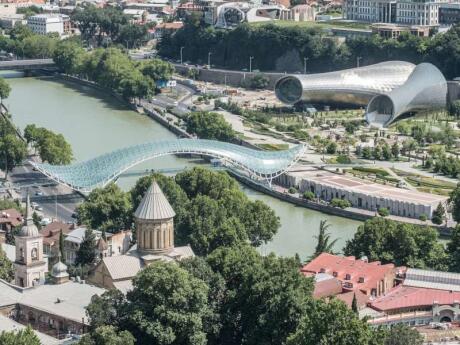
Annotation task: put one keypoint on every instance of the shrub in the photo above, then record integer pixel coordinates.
(383, 211)
(343, 159)
(309, 195)
(292, 190)
(423, 217)
(342, 203)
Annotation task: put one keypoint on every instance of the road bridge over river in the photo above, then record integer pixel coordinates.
(29, 64)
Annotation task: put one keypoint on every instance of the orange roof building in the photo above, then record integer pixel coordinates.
(371, 278)
(9, 219)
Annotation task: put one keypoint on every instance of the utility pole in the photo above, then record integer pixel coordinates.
(305, 65)
(358, 58)
(250, 63)
(181, 49)
(209, 59)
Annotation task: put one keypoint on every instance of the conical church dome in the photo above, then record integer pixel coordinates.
(154, 205)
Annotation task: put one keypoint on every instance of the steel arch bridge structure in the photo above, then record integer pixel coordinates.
(100, 171)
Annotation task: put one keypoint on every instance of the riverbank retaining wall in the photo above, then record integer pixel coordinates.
(228, 77)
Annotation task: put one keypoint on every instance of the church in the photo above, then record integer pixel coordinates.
(154, 221)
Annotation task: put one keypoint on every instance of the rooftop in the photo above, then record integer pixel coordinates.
(432, 279)
(67, 300)
(356, 185)
(407, 297)
(154, 205)
(12, 216)
(360, 274)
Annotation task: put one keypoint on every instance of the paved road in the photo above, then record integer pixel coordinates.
(57, 201)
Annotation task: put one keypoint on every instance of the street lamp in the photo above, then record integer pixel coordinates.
(305, 65)
(250, 63)
(209, 59)
(358, 58)
(181, 49)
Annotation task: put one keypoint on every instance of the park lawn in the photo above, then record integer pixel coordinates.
(273, 147)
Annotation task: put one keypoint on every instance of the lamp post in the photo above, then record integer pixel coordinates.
(181, 49)
(250, 63)
(209, 59)
(357, 60)
(305, 65)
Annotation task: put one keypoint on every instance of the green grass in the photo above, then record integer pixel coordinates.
(273, 147)
(375, 171)
(320, 25)
(424, 181)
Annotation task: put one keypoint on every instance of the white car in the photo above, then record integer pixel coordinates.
(45, 221)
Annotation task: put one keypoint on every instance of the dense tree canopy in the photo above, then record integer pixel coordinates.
(24, 336)
(52, 147)
(169, 306)
(13, 150)
(273, 48)
(107, 335)
(209, 125)
(212, 211)
(106, 208)
(6, 267)
(86, 254)
(399, 243)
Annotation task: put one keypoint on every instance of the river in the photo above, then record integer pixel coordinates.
(95, 123)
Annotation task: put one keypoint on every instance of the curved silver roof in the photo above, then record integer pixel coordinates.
(99, 171)
(349, 86)
(426, 88)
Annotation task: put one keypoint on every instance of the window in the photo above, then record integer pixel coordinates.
(335, 274)
(347, 276)
(361, 280)
(34, 254)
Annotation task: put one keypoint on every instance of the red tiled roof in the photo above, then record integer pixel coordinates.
(51, 232)
(347, 297)
(340, 266)
(327, 287)
(10, 216)
(170, 26)
(406, 297)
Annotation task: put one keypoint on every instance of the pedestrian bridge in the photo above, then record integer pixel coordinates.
(101, 170)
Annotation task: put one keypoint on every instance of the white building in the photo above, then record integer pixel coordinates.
(43, 24)
(409, 12)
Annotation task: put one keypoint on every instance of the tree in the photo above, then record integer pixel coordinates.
(6, 267)
(259, 81)
(263, 293)
(107, 309)
(52, 147)
(69, 56)
(167, 306)
(367, 152)
(331, 148)
(25, 336)
(439, 214)
(386, 152)
(454, 199)
(354, 304)
(157, 69)
(453, 250)
(209, 125)
(86, 254)
(12, 152)
(107, 335)
(324, 243)
(383, 212)
(395, 150)
(331, 322)
(5, 89)
(381, 239)
(401, 334)
(109, 208)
